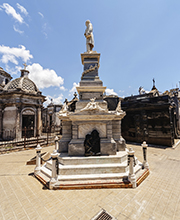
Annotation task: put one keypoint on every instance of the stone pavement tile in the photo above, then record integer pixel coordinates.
(114, 212)
(33, 215)
(95, 209)
(122, 217)
(75, 218)
(118, 207)
(21, 214)
(84, 217)
(9, 217)
(145, 217)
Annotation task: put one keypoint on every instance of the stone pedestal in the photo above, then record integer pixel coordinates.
(91, 114)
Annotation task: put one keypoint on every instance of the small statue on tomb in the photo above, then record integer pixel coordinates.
(89, 36)
(92, 144)
(87, 145)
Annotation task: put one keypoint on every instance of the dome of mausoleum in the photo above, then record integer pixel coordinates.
(22, 83)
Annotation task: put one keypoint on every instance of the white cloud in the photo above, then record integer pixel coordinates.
(110, 92)
(17, 30)
(73, 90)
(44, 78)
(56, 100)
(22, 9)
(13, 71)
(63, 88)
(11, 11)
(41, 14)
(14, 53)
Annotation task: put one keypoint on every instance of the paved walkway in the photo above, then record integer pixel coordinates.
(158, 197)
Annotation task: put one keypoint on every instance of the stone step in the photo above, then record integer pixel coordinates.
(82, 177)
(90, 168)
(90, 176)
(120, 157)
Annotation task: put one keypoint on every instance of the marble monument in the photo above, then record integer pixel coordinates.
(92, 152)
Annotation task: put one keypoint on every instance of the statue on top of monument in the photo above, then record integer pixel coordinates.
(89, 36)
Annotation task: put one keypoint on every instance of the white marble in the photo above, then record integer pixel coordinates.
(86, 128)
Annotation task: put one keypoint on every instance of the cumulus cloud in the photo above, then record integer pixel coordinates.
(13, 70)
(55, 100)
(44, 78)
(41, 14)
(17, 30)
(22, 9)
(11, 11)
(12, 54)
(73, 90)
(110, 92)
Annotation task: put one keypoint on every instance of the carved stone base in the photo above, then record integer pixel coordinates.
(121, 144)
(107, 147)
(63, 145)
(76, 147)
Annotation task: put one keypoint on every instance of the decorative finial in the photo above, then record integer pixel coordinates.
(153, 82)
(25, 65)
(75, 95)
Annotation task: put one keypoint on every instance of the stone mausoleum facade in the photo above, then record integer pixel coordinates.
(20, 108)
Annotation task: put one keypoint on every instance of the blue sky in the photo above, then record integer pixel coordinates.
(138, 41)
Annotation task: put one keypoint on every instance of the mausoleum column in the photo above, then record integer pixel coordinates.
(39, 122)
(74, 131)
(1, 123)
(116, 128)
(109, 130)
(18, 123)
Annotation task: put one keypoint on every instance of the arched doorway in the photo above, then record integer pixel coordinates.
(28, 123)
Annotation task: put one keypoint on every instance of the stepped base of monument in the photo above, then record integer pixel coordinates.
(92, 172)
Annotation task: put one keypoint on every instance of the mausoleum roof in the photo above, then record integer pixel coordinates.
(4, 73)
(22, 83)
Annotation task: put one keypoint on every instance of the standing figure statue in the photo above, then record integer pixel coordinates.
(89, 36)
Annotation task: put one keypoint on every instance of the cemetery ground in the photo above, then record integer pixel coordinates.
(22, 196)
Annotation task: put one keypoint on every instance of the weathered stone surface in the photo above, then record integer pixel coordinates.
(86, 128)
(76, 147)
(121, 144)
(63, 144)
(108, 147)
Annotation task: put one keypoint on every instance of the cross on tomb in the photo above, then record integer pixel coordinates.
(25, 65)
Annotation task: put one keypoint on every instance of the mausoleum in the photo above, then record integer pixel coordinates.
(20, 108)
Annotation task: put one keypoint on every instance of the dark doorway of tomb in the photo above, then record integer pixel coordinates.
(28, 126)
(92, 144)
